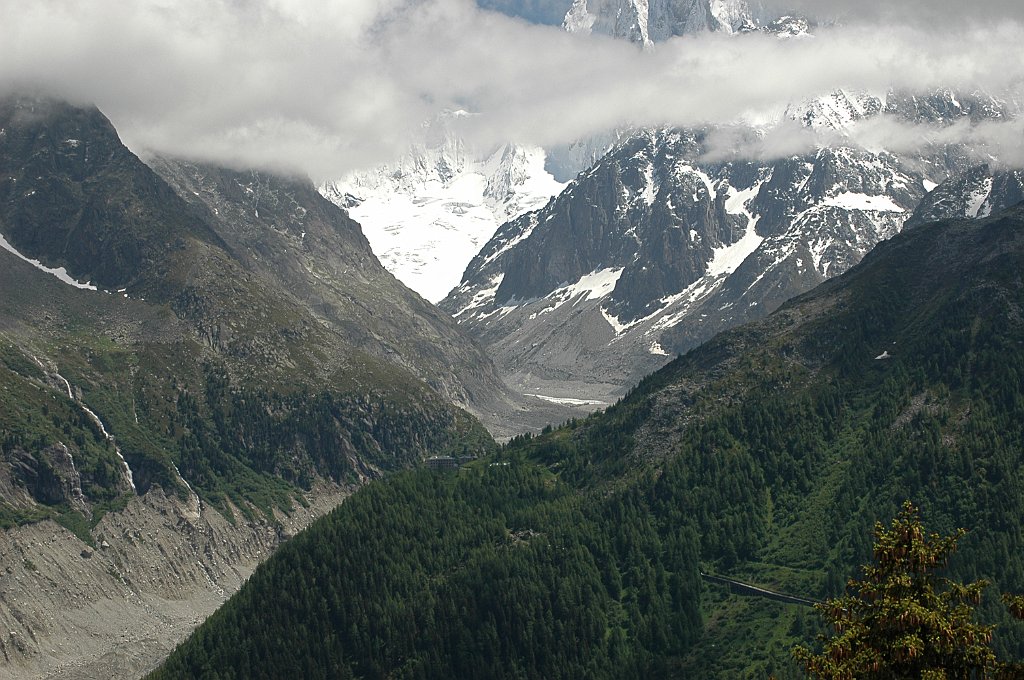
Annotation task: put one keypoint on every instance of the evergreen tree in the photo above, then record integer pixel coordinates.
(902, 620)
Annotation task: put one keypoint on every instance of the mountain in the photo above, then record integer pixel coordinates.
(979, 191)
(645, 22)
(298, 242)
(428, 213)
(764, 455)
(203, 351)
(107, 217)
(659, 246)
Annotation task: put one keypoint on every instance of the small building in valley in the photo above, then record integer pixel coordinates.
(442, 463)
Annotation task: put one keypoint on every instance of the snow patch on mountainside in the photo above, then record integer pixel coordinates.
(60, 272)
(736, 203)
(594, 285)
(483, 296)
(614, 322)
(569, 401)
(728, 258)
(976, 200)
(703, 177)
(657, 349)
(650, 190)
(852, 201)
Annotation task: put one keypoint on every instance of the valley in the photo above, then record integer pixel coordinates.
(503, 338)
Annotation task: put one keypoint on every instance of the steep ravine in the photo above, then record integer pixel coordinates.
(158, 569)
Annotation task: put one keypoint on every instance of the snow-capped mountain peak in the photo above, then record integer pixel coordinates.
(789, 27)
(427, 214)
(682, 248)
(836, 110)
(650, 21)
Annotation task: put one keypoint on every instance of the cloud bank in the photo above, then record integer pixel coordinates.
(999, 143)
(328, 87)
(945, 15)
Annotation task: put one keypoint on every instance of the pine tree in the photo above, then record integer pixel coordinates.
(902, 620)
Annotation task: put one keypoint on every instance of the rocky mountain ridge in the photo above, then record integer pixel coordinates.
(225, 234)
(656, 248)
(976, 193)
(303, 244)
(650, 21)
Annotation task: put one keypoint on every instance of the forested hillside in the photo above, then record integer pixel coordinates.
(766, 454)
(500, 571)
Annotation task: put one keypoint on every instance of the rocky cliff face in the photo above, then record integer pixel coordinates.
(655, 249)
(649, 21)
(977, 192)
(71, 194)
(296, 241)
(227, 250)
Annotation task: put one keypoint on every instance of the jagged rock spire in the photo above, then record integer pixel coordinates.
(649, 21)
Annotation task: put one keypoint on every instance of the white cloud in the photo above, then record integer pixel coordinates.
(335, 85)
(947, 14)
(999, 143)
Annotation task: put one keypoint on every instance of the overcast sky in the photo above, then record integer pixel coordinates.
(342, 84)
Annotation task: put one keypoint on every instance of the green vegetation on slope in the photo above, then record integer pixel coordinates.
(901, 620)
(500, 571)
(766, 454)
(252, 446)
